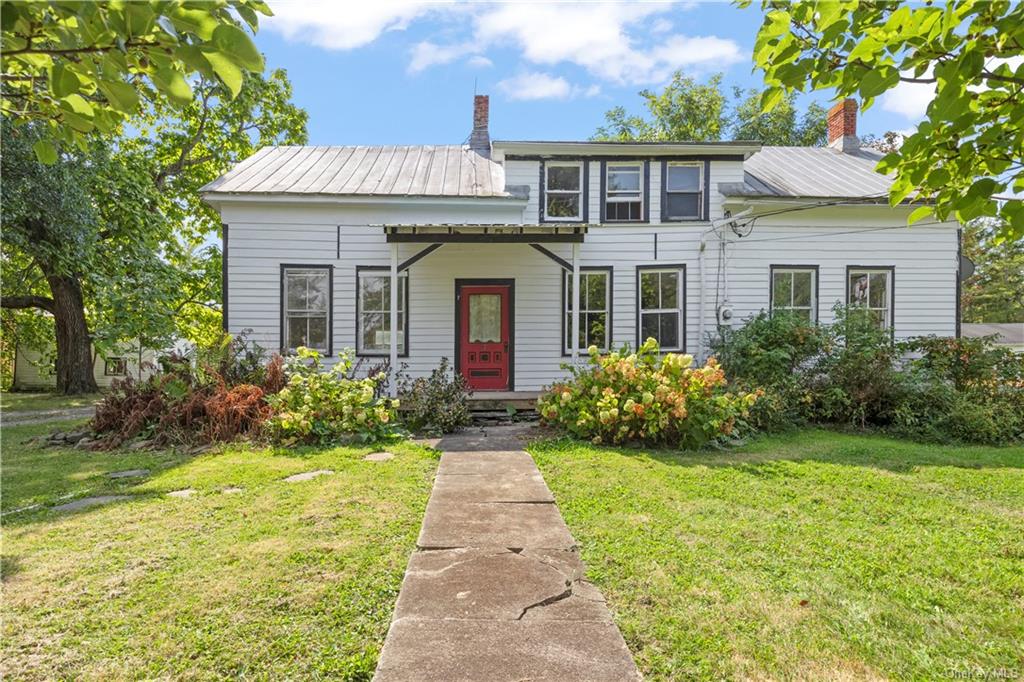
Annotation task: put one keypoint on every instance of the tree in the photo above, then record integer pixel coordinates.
(128, 239)
(968, 152)
(81, 67)
(995, 292)
(687, 110)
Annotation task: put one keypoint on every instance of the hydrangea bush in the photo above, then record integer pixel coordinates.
(320, 407)
(647, 398)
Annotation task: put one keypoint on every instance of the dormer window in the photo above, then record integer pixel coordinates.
(684, 191)
(563, 190)
(623, 196)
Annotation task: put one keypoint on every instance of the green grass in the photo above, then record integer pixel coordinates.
(810, 556)
(19, 402)
(280, 581)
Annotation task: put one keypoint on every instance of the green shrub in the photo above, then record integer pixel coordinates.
(646, 398)
(773, 352)
(321, 407)
(435, 404)
(968, 363)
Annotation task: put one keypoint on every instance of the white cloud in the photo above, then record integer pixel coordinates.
(343, 25)
(479, 61)
(599, 38)
(909, 99)
(623, 43)
(537, 85)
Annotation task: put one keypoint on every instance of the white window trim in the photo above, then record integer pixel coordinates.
(700, 190)
(403, 311)
(567, 310)
(578, 165)
(120, 369)
(681, 309)
(791, 270)
(608, 199)
(286, 312)
(888, 319)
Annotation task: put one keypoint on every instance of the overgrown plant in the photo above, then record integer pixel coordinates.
(321, 407)
(647, 398)
(435, 404)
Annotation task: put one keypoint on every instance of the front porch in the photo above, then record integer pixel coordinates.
(486, 401)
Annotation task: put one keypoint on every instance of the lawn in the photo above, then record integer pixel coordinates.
(810, 556)
(280, 580)
(17, 402)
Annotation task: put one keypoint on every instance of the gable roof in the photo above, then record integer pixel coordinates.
(810, 172)
(387, 170)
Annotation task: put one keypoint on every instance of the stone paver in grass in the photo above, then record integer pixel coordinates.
(86, 502)
(307, 475)
(231, 491)
(130, 473)
(497, 590)
(379, 457)
(187, 492)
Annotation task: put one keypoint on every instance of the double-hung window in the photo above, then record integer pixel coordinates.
(623, 195)
(872, 288)
(595, 309)
(373, 335)
(306, 307)
(563, 190)
(115, 367)
(662, 305)
(684, 191)
(795, 290)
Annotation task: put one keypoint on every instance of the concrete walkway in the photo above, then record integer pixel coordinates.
(495, 590)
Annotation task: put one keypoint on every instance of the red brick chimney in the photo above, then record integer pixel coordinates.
(842, 126)
(480, 138)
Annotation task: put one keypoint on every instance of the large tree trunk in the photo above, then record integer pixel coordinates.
(74, 346)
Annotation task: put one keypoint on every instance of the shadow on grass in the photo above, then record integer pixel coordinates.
(756, 456)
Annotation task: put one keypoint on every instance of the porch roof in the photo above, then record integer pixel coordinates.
(487, 233)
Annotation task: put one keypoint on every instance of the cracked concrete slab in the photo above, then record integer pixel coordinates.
(500, 584)
(493, 524)
(86, 502)
(496, 590)
(486, 488)
(307, 475)
(504, 651)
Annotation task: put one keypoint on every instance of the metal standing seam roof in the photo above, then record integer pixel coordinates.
(386, 170)
(810, 172)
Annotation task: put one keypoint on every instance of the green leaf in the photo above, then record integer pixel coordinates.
(229, 74)
(45, 152)
(63, 81)
(173, 84)
(918, 213)
(79, 105)
(237, 46)
(121, 96)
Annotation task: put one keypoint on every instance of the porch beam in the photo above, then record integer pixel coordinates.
(565, 265)
(480, 238)
(393, 331)
(408, 263)
(574, 351)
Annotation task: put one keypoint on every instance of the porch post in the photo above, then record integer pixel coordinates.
(393, 333)
(574, 343)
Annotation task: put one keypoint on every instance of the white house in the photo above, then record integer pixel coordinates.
(35, 371)
(506, 251)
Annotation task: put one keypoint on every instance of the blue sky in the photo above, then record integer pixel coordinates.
(382, 72)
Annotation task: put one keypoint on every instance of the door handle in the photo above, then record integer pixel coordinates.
(506, 346)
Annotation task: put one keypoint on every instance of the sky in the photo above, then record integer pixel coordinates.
(385, 72)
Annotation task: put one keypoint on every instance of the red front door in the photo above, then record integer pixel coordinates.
(485, 335)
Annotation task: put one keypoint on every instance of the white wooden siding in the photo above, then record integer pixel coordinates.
(28, 374)
(265, 235)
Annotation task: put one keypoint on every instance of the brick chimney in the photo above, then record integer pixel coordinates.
(842, 126)
(480, 138)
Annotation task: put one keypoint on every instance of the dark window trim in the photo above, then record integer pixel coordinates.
(959, 283)
(360, 353)
(705, 210)
(224, 277)
(682, 308)
(784, 266)
(584, 191)
(638, 157)
(645, 191)
(106, 367)
(330, 303)
(511, 284)
(611, 305)
(892, 286)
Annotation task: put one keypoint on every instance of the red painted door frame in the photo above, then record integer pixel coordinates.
(487, 366)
